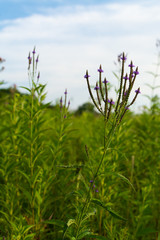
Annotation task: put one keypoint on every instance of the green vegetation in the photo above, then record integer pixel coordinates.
(48, 160)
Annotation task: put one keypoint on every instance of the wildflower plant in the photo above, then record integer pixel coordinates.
(112, 112)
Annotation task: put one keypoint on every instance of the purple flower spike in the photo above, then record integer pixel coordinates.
(65, 92)
(100, 70)
(111, 102)
(105, 81)
(69, 102)
(131, 65)
(124, 58)
(136, 72)
(37, 60)
(94, 186)
(126, 78)
(91, 181)
(97, 190)
(138, 91)
(65, 116)
(125, 93)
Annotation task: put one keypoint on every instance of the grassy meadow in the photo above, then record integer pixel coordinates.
(88, 174)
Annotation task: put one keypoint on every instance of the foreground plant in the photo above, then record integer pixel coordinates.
(113, 112)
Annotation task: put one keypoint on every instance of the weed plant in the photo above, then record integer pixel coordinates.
(94, 175)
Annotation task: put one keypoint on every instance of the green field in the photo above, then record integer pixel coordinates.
(78, 175)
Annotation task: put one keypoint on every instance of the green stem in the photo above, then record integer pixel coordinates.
(87, 201)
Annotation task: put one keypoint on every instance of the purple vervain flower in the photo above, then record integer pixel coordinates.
(126, 78)
(37, 60)
(105, 81)
(94, 186)
(125, 93)
(138, 91)
(136, 72)
(96, 88)
(100, 70)
(86, 76)
(69, 102)
(97, 190)
(127, 108)
(34, 51)
(123, 58)
(65, 116)
(131, 65)
(65, 91)
(91, 181)
(111, 102)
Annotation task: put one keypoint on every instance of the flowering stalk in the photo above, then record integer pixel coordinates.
(117, 116)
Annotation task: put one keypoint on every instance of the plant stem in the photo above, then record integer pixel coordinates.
(87, 201)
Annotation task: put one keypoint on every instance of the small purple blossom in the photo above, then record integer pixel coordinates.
(105, 81)
(37, 60)
(127, 108)
(131, 65)
(86, 76)
(34, 51)
(96, 88)
(100, 70)
(69, 102)
(123, 58)
(65, 91)
(94, 186)
(136, 72)
(97, 190)
(65, 116)
(91, 181)
(111, 102)
(126, 78)
(125, 93)
(138, 91)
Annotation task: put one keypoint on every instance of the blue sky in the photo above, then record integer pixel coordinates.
(72, 36)
(12, 9)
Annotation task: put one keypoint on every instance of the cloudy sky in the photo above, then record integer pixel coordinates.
(74, 35)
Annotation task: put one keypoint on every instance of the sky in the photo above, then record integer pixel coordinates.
(72, 36)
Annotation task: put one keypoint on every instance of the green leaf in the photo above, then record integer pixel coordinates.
(70, 222)
(145, 231)
(29, 90)
(116, 215)
(83, 234)
(101, 204)
(56, 222)
(25, 175)
(124, 179)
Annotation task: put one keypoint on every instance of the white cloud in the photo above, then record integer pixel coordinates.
(71, 39)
